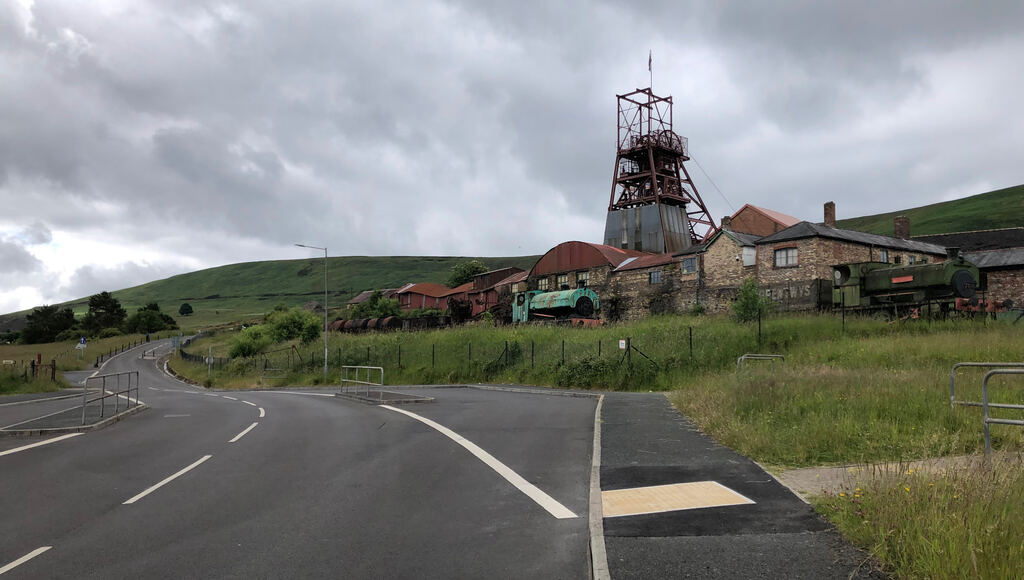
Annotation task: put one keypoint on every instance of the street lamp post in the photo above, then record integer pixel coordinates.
(325, 303)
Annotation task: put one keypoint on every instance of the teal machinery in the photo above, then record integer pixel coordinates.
(533, 304)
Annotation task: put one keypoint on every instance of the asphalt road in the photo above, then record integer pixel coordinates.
(273, 484)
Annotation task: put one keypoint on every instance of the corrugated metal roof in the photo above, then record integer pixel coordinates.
(427, 289)
(365, 295)
(810, 230)
(978, 241)
(996, 258)
(459, 289)
(577, 255)
(648, 261)
(361, 297)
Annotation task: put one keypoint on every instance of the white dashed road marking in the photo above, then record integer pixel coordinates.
(24, 559)
(168, 480)
(242, 434)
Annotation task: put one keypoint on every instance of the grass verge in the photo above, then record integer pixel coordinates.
(952, 524)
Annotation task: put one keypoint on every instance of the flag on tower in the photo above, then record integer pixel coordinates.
(649, 60)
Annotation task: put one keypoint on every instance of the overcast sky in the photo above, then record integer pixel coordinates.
(144, 139)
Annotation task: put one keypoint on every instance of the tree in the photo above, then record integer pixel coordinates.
(105, 311)
(185, 309)
(45, 323)
(376, 306)
(149, 319)
(464, 272)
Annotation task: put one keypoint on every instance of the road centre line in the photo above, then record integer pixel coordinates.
(262, 413)
(166, 481)
(242, 434)
(230, 398)
(533, 492)
(24, 559)
(248, 403)
(47, 442)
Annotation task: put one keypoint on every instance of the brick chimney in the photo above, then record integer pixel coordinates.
(830, 214)
(726, 222)
(901, 227)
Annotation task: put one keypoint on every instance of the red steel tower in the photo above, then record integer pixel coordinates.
(654, 205)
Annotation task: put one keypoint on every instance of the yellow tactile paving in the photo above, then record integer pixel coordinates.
(667, 498)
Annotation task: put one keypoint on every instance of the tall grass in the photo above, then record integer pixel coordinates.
(953, 524)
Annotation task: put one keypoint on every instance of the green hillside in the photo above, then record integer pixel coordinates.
(239, 292)
(1003, 208)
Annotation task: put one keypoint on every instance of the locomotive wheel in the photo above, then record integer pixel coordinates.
(584, 307)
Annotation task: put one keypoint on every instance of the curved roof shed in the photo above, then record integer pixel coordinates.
(569, 256)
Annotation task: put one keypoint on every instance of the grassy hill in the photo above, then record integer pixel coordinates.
(239, 292)
(1002, 208)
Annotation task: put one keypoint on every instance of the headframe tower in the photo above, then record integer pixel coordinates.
(654, 205)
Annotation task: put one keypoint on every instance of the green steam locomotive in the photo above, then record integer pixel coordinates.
(875, 284)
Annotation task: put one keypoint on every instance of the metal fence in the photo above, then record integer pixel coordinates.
(988, 365)
(985, 405)
(356, 379)
(444, 356)
(98, 390)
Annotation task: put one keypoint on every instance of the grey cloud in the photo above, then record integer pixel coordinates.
(36, 233)
(14, 258)
(371, 129)
(91, 279)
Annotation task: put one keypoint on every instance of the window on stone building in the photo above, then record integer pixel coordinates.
(582, 278)
(785, 258)
(516, 287)
(883, 255)
(688, 265)
(911, 259)
(562, 281)
(654, 277)
(897, 259)
(749, 256)
(542, 284)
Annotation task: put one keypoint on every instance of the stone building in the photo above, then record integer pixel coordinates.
(794, 266)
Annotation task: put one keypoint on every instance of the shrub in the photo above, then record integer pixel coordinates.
(250, 342)
(293, 324)
(109, 332)
(749, 303)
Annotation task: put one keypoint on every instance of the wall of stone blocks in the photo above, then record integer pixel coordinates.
(637, 298)
(816, 256)
(1003, 284)
(721, 266)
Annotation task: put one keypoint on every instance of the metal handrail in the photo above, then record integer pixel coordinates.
(952, 382)
(740, 362)
(986, 405)
(117, 394)
(355, 381)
